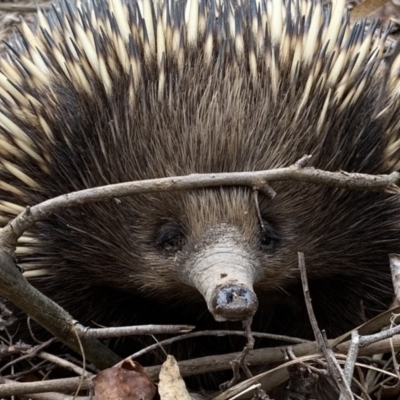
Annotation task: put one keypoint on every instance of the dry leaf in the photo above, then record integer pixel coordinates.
(171, 385)
(124, 382)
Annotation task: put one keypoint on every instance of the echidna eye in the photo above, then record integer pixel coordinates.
(269, 238)
(170, 238)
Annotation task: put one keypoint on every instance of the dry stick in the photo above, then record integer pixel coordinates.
(387, 334)
(136, 330)
(11, 349)
(38, 367)
(32, 352)
(215, 333)
(333, 366)
(249, 346)
(15, 228)
(215, 363)
(24, 8)
(381, 346)
(351, 359)
(240, 362)
(60, 362)
(54, 396)
(49, 314)
(82, 351)
(54, 385)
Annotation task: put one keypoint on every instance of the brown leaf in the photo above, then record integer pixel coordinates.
(127, 381)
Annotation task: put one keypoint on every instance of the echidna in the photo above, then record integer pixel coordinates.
(109, 91)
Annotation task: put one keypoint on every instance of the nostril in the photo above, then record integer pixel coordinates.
(233, 294)
(234, 302)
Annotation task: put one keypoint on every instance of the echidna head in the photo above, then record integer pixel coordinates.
(213, 242)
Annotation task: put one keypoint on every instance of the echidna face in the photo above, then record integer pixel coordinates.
(209, 242)
(219, 248)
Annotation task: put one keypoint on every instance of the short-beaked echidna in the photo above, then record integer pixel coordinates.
(112, 91)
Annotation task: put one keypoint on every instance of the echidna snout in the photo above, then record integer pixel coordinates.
(224, 272)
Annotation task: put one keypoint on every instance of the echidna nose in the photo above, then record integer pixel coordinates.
(234, 303)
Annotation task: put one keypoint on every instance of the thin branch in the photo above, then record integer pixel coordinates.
(54, 396)
(387, 334)
(222, 362)
(136, 330)
(62, 363)
(333, 366)
(24, 8)
(32, 352)
(218, 333)
(54, 385)
(15, 228)
(50, 315)
(351, 358)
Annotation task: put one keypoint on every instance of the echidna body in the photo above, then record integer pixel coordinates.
(108, 92)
